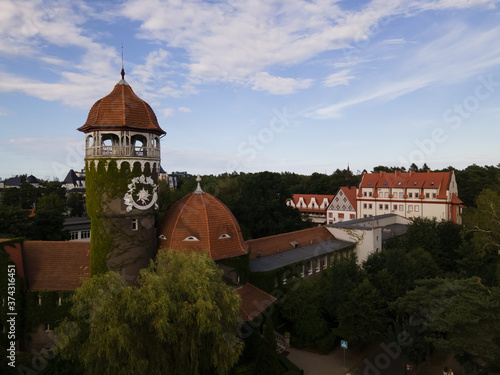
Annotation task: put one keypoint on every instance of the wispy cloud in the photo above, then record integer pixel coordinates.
(340, 78)
(459, 54)
(279, 85)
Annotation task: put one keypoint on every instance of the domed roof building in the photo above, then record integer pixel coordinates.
(199, 222)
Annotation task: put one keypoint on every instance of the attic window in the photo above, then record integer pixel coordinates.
(190, 238)
(399, 183)
(369, 183)
(414, 183)
(432, 183)
(385, 183)
(225, 235)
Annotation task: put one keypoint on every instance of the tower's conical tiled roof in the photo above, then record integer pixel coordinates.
(122, 109)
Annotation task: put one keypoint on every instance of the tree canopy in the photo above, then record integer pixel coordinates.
(180, 319)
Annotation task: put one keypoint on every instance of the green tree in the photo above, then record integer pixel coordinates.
(48, 222)
(261, 207)
(302, 308)
(267, 361)
(76, 204)
(338, 283)
(13, 221)
(362, 317)
(460, 316)
(181, 319)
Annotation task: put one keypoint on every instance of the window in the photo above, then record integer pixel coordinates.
(317, 265)
(395, 208)
(370, 206)
(371, 194)
(434, 195)
(364, 193)
(330, 214)
(352, 216)
(190, 238)
(387, 195)
(85, 234)
(325, 262)
(225, 235)
(410, 208)
(416, 208)
(341, 216)
(59, 301)
(284, 279)
(410, 195)
(74, 235)
(135, 225)
(302, 272)
(401, 195)
(310, 268)
(401, 207)
(386, 206)
(47, 327)
(427, 195)
(364, 205)
(380, 206)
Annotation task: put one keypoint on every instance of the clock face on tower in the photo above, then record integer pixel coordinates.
(142, 194)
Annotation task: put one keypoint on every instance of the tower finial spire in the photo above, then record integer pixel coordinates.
(123, 70)
(198, 188)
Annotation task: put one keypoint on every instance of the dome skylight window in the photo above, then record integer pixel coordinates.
(190, 238)
(225, 235)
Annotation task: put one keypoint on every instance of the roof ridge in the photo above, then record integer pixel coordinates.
(228, 211)
(206, 221)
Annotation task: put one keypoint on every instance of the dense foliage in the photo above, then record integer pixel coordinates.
(181, 319)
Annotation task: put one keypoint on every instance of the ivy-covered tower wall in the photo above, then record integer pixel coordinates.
(122, 166)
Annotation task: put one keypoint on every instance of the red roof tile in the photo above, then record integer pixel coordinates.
(253, 301)
(55, 265)
(202, 223)
(405, 180)
(122, 109)
(307, 200)
(350, 193)
(287, 241)
(16, 256)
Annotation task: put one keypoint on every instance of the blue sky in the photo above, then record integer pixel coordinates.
(292, 85)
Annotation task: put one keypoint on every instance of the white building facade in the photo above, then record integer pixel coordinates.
(410, 194)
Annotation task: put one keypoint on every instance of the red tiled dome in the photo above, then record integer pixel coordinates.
(200, 222)
(122, 109)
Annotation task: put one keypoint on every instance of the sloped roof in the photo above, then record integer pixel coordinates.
(16, 256)
(266, 246)
(405, 180)
(345, 200)
(122, 109)
(55, 265)
(13, 181)
(199, 222)
(307, 200)
(253, 301)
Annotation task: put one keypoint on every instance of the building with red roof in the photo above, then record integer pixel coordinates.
(410, 194)
(312, 206)
(343, 206)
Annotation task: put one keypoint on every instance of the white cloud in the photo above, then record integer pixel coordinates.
(279, 85)
(184, 109)
(167, 112)
(339, 78)
(459, 54)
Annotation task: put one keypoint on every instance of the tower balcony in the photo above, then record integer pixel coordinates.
(122, 151)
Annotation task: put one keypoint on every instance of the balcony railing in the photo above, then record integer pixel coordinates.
(121, 151)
